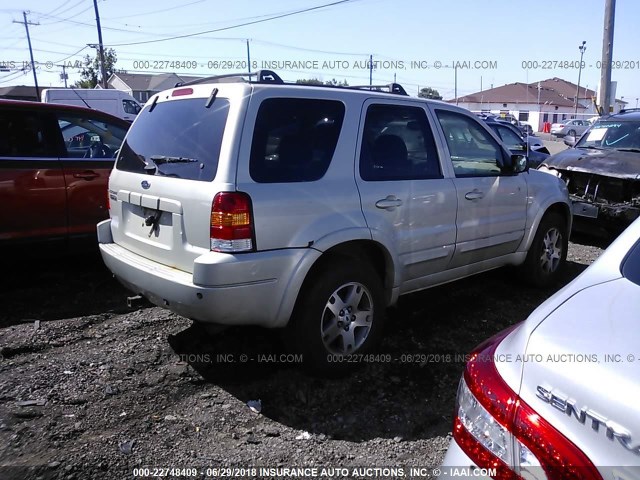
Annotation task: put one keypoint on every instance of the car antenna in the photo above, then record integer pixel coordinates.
(83, 100)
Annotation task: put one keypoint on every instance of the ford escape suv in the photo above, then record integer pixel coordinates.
(239, 202)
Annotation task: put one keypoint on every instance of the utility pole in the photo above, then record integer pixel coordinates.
(248, 57)
(103, 72)
(64, 75)
(607, 56)
(370, 70)
(455, 82)
(582, 49)
(33, 64)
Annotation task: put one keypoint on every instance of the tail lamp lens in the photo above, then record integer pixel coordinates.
(231, 223)
(498, 430)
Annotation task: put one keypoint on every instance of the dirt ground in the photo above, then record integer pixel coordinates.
(90, 389)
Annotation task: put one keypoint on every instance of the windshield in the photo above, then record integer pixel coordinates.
(180, 139)
(612, 134)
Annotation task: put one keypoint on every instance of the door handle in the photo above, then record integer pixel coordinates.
(88, 175)
(388, 203)
(474, 195)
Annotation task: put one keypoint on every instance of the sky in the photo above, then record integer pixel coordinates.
(415, 42)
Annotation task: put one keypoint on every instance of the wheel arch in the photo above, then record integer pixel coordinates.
(363, 250)
(561, 208)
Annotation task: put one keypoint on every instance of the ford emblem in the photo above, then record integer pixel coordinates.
(145, 184)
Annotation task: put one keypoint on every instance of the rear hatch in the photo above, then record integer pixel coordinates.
(180, 151)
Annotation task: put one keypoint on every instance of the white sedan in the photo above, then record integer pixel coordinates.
(556, 396)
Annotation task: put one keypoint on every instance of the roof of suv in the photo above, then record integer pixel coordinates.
(265, 77)
(629, 114)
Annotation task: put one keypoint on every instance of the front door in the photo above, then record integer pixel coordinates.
(491, 204)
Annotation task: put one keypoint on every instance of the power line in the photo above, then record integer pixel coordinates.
(275, 17)
(68, 19)
(155, 11)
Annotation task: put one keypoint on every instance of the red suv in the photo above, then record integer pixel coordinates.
(55, 162)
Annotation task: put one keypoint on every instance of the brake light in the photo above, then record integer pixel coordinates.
(182, 91)
(497, 429)
(231, 223)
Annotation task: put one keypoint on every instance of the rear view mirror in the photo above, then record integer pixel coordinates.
(519, 163)
(570, 140)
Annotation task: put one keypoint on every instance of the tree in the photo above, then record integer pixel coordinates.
(315, 81)
(428, 92)
(91, 73)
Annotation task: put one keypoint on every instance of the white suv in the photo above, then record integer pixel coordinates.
(264, 203)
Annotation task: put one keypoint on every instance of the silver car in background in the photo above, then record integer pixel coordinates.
(570, 127)
(557, 395)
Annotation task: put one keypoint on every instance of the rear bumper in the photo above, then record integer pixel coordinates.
(246, 289)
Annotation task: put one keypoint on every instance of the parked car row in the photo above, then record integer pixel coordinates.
(324, 205)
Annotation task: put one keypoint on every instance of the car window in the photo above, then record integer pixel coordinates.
(510, 139)
(474, 153)
(22, 134)
(612, 134)
(130, 107)
(86, 137)
(397, 144)
(180, 139)
(294, 139)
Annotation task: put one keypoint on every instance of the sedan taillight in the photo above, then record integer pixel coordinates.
(498, 430)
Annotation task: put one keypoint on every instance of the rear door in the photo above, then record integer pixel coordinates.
(89, 143)
(32, 188)
(408, 204)
(491, 204)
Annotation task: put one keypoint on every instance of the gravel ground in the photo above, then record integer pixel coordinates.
(90, 389)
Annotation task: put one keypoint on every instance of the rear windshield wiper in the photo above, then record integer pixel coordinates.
(160, 159)
(593, 147)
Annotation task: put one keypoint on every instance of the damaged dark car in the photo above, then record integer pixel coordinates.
(602, 170)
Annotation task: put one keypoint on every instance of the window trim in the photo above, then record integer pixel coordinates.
(430, 124)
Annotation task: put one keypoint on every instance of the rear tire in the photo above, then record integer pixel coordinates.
(548, 251)
(571, 133)
(339, 313)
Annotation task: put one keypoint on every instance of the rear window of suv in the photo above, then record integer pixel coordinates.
(294, 139)
(179, 138)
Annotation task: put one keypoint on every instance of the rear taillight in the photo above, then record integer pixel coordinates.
(231, 223)
(498, 430)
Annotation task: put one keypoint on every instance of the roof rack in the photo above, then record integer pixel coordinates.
(392, 87)
(269, 76)
(262, 76)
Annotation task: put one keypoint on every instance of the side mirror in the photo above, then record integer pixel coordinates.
(570, 140)
(519, 163)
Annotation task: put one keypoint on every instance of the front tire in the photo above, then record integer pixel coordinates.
(339, 313)
(548, 251)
